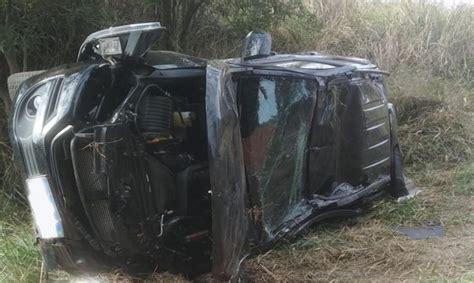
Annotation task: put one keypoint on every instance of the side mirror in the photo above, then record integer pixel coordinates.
(256, 45)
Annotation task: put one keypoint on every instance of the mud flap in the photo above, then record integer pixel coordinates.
(397, 187)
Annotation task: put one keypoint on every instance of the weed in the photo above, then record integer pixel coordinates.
(398, 213)
(19, 257)
(465, 180)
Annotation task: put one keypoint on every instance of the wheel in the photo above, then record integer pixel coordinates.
(397, 180)
(15, 80)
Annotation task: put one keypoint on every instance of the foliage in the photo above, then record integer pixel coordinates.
(49, 28)
(247, 15)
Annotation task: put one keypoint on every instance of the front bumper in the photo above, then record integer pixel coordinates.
(43, 207)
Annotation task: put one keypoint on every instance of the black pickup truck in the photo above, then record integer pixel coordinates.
(143, 159)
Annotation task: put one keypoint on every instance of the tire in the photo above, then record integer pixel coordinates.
(397, 180)
(15, 80)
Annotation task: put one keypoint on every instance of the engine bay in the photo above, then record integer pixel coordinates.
(140, 164)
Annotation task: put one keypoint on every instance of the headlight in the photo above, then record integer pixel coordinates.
(31, 111)
(45, 213)
(33, 104)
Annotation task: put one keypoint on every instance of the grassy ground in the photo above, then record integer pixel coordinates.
(19, 257)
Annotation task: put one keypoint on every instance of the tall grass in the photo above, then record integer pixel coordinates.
(418, 34)
(19, 257)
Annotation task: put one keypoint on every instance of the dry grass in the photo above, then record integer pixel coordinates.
(369, 252)
(433, 132)
(417, 34)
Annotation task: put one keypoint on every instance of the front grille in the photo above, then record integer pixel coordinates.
(101, 214)
(92, 189)
(91, 183)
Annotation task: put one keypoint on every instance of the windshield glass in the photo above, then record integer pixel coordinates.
(276, 114)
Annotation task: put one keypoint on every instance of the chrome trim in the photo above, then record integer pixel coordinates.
(377, 163)
(375, 127)
(374, 108)
(379, 144)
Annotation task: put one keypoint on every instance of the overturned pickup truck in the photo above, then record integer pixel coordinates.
(157, 160)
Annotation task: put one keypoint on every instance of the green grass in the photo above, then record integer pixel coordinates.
(19, 256)
(465, 180)
(409, 211)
